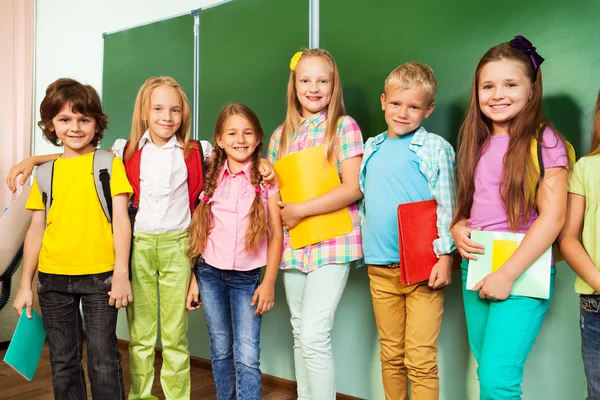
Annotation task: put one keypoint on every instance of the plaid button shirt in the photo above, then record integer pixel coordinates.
(436, 161)
(342, 249)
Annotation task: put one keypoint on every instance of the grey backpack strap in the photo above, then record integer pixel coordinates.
(43, 176)
(103, 161)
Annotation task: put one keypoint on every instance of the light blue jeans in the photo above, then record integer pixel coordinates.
(233, 330)
(313, 299)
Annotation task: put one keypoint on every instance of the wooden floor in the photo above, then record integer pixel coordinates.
(15, 387)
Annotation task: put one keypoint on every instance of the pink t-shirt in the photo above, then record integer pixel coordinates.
(488, 211)
(230, 206)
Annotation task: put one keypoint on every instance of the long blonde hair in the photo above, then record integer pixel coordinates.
(141, 110)
(596, 132)
(258, 227)
(335, 109)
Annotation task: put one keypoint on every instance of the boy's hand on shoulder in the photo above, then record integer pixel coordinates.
(24, 298)
(120, 291)
(266, 171)
(441, 273)
(24, 168)
(265, 295)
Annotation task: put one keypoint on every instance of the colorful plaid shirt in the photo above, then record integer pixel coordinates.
(342, 249)
(436, 162)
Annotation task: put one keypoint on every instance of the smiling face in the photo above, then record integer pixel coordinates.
(405, 109)
(503, 89)
(75, 131)
(239, 140)
(313, 85)
(165, 114)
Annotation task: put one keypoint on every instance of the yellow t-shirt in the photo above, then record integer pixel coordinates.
(584, 181)
(78, 239)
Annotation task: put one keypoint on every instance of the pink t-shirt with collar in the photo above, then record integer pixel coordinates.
(488, 211)
(230, 206)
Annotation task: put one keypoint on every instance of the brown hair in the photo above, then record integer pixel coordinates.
(258, 226)
(410, 75)
(595, 149)
(477, 129)
(335, 109)
(139, 123)
(83, 100)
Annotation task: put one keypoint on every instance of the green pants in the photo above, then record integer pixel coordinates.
(501, 335)
(160, 269)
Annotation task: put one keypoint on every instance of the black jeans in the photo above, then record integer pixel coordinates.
(60, 297)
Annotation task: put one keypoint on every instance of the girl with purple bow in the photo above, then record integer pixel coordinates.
(500, 188)
(246, 236)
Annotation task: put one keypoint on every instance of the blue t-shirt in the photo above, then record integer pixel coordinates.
(392, 178)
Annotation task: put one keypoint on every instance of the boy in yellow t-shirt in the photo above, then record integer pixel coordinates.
(82, 259)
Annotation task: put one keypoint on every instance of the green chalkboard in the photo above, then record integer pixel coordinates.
(132, 56)
(369, 39)
(245, 49)
(451, 37)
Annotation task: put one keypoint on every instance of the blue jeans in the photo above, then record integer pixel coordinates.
(233, 329)
(60, 297)
(589, 306)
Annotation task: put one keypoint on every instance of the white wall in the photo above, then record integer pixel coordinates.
(69, 40)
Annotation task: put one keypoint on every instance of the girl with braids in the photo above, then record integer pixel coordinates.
(247, 234)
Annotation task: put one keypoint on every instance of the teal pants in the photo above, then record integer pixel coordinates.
(501, 336)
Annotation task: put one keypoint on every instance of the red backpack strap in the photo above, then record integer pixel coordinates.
(194, 163)
(132, 169)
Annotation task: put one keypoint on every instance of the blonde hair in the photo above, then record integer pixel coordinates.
(258, 227)
(411, 75)
(335, 109)
(139, 123)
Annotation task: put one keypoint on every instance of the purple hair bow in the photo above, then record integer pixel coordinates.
(524, 45)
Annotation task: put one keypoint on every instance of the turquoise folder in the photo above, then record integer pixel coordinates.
(499, 246)
(25, 347)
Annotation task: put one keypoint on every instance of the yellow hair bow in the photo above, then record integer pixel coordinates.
(294, 61)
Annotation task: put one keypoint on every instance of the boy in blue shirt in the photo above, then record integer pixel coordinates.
(407, 164)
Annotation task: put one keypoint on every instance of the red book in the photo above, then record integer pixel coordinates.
(417, 229)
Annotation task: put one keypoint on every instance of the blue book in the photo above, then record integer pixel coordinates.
(25, 347)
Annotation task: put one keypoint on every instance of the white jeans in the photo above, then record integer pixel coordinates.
(313, 299)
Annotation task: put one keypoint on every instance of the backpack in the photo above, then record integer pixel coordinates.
(102, 170)
(196, 170)
(538, 176)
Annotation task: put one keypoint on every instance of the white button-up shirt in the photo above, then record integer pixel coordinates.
(164, 199)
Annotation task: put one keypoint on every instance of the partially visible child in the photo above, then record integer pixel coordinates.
(580, 245)
(501, 189)
(316, 275)
(82, 259)
(247, 235)
(407, 164)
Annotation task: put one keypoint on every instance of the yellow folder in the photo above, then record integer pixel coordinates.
(305, 175)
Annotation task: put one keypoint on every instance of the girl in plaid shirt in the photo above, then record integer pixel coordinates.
(315, 275)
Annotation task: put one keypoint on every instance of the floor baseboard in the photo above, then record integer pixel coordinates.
(272, 382)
